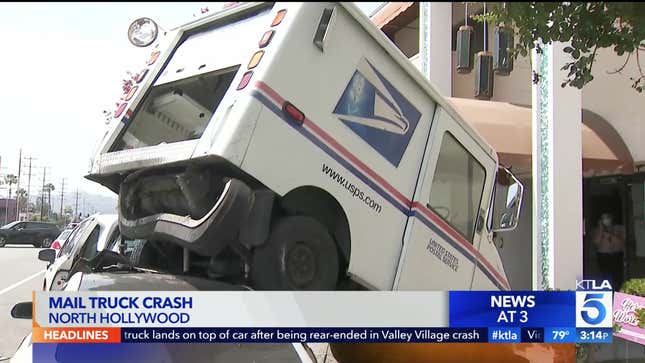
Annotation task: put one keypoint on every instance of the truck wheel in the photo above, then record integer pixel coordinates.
(3, 241)
(47, 242)
(299, 255)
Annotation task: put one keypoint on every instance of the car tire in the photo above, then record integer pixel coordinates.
(300, 254)
(3, 241)
(47, 242)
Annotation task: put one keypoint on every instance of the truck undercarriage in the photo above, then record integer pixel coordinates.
(204, 222)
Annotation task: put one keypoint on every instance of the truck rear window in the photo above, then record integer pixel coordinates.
(177, 111)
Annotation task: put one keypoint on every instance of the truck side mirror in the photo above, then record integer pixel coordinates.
(22, 310)
(507, 202)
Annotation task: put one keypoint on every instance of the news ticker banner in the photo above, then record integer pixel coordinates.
(337, 316)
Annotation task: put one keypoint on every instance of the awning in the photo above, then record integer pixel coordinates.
(507, 128)
(395, 15)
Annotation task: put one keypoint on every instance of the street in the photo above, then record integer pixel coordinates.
(23, 273)
(20, 273)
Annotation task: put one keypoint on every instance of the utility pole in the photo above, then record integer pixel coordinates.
(29, 185)
(62, 194)
(76, 206)
(6, 201)
(18, 186)
(28, 188)
(42, 198)
(49, 203)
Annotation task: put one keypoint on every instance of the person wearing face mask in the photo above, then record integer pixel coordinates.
(610, 243)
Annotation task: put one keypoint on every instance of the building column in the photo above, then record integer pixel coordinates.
(435, 44)
(557, 173)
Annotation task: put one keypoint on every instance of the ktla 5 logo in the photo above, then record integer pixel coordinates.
(593, 309)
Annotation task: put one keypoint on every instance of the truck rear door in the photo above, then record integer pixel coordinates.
(178, 102)
(442, 235)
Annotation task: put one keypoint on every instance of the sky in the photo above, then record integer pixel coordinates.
(62, 64)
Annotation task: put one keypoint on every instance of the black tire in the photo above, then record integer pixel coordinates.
(300, 254)
(3, 241)
(47, 242)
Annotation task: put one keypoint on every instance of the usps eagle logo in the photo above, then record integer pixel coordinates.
(377, 112)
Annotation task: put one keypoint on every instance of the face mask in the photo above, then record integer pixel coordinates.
(606, 222)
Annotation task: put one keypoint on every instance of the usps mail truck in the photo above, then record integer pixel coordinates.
(292, 146)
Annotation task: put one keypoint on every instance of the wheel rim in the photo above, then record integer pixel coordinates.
(2, 241)
(301, 264)
(46, 242)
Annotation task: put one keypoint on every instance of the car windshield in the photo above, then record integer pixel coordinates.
(7, 226)
(73, 238)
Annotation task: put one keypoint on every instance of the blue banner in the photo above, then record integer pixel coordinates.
(594, 335)
(532, 335)
(504, 335)
(512, 308)
(560, 335)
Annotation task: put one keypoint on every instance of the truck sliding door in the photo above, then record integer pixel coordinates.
(440, 245)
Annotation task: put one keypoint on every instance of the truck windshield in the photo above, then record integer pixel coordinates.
(194, 81)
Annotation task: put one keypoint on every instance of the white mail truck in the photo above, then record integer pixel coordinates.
(292, 146)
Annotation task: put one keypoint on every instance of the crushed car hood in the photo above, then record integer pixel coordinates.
(146, 281)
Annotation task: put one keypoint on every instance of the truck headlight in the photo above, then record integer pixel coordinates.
(142, 32)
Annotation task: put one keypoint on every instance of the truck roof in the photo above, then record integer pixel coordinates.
(384, 42)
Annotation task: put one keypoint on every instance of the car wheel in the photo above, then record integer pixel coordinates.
(299, 255)
(47, 242)
(3, 241)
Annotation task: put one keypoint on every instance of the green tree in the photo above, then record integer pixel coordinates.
(45, 208)
(588, 26)
(49, 188)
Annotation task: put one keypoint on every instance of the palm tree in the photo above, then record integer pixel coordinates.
(49, 188)
(11, 180)
(8, 179)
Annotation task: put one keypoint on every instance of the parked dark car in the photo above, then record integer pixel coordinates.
(38, 234)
